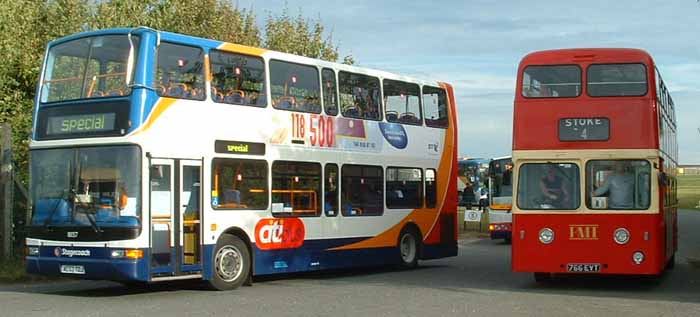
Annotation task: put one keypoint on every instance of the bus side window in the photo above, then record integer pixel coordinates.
(297, 186)
(330, 190)
(360, 96)
(237, 79)
(239, 184)
(330, 92)
(180, 71)
(362, 190)
(435, 107)
(295, 87)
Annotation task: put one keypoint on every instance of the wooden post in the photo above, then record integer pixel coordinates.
(7, 186)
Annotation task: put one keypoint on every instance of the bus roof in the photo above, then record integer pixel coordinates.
(587, 55)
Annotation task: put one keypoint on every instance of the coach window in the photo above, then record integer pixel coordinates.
(360, 96)
(549, 186)
(296, 188)
(556, 81)
(330, 92)
(294, 87)
(404, 188)
(612, 80)
(330, 190)
(618, 184)
(239, 184)
(362, 190)
(435, 105)
(402, 102)
(430, 188)
(180, 72)
(237, 79)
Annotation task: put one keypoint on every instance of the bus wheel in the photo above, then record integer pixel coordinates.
(542, 277)
(671, 262)
(408, 248)
(231, 263)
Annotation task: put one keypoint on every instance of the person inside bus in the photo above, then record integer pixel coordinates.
(553, 188)
(619, 187)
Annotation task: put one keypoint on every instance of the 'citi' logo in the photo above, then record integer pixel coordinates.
(583, 232)
(287, 233)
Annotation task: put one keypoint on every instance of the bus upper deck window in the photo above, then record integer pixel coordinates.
(555, 81)
(237, 79)
(295, 87)
(435, 107)
(610, 80)
(180, 72)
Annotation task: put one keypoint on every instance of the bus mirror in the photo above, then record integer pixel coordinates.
(129, 60)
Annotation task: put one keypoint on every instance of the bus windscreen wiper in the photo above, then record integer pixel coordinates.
(70, 193)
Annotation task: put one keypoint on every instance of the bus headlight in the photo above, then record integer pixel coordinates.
(546, 235)
(622, 236)
(32, 251)
(638, 257)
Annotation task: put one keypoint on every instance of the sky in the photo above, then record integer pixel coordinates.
(476, 46)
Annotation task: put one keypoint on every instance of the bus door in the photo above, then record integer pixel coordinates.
(175, 191)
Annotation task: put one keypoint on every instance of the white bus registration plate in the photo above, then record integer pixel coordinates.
(73, 269)
(583, 268)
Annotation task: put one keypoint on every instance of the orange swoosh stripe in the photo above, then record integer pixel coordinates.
(163, 104)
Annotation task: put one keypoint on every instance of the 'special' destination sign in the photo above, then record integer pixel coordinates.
(584, 129)
(80, 124)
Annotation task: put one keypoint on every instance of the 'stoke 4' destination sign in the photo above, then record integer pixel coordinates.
(584, 129)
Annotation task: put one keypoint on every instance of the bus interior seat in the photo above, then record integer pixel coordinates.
(286, 102)
(392, 116)
(232, 196)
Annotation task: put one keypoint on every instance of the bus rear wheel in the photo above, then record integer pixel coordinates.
(409, 246)
(231, 263)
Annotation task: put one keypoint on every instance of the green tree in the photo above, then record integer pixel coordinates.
(27, 25)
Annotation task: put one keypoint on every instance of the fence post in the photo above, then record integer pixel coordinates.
(7, 186)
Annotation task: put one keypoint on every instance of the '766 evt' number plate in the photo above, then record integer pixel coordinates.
(583, 268)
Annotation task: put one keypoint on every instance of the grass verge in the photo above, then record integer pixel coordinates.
(688, 191)
(12, 270)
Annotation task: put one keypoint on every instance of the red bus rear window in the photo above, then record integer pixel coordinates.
(612, 80)
(554, 81)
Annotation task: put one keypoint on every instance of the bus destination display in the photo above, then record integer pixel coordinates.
(584, 129)
(81, 124)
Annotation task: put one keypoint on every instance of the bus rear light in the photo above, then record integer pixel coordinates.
(546, 235)
(621, 236)
(646, 235)
(638, 257)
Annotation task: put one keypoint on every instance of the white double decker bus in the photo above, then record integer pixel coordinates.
(158, 156)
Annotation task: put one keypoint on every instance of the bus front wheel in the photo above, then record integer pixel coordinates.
(409, 246)
(231, 263)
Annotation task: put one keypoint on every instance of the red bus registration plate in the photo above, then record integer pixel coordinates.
(583, 268)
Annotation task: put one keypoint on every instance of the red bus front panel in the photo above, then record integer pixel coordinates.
(588, 239)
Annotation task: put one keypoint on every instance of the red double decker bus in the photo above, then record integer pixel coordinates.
(595, 152)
